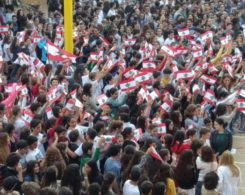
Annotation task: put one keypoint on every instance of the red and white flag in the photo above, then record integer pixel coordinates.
(161, 129)
(21, 36)
(212, 69)
(55, 53)
(210, 97)
(94, 56)
(70, 105)
(49, 113)
(195, 89)
(184, 75)
(138, 134)
(166, 106)
(170, 51)
(229, 69)
(27, 117)
(208, 79)
(129, 42)
(242, 92)
(143, 77)
(109, 138)
(184, 32)
(128, 85)
(241, 105)
(52, 95)
(197, 54)
(223, 41)
(59, 28)
(129, 72)
(149, 64)
(36, 39)
(4, 29)
(101, 99)
(154, 95)
(105, 41)
(155, 155)
(207, 36)
(38, 64)
(24, 91)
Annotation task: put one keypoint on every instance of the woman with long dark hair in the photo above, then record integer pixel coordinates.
(107, 185)
(50, 178)
(92, 172)
(32, 172)
(185, 175)
(72, 178)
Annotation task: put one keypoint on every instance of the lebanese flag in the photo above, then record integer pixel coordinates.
(36, 39)
(174, 68)
(73, 93)
(166, 106)
(143, 93)
(154, 95)
(128, 85)
(228, 37)
(241, 105)
(184, 32)
(207, 36)
(227, 59)
(155, 155)
(70, 105)
(109, 138)
(105, 118)
(129, 42)
(59, 28)
(180, 51)
(4, 29)
(184, 75)
(27, 117)
(49, 113)
(8, 102)
(24, 91)
(149, 64)
(105, 41)
(161, 129)
(197, 54)
(94, 56)
(168, 50)
(78, 104)
(101, 99)
(195, 89)
(212, 69)
(210, 51)
(38, 64)
(210, 97)
(138, 134)
(223, 41)
(129, 72)
(229, 100)
(57, 54)
(208, 79)
(242, 92)
(21, 36)
(229, 69)
(23, 59)
(52, 95)
(110, 64)
(143, 77)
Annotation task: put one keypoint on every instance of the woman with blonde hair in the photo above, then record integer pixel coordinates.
(4, 147)
(229, 175)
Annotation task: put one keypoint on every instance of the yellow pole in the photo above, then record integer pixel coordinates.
(68, 25)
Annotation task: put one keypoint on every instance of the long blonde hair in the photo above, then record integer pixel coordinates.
(227, 159)
(4, 147)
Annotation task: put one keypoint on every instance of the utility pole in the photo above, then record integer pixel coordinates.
(68, 25)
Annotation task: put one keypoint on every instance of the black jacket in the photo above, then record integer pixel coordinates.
(219, 145)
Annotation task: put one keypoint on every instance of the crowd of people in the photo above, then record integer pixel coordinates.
(146, 104)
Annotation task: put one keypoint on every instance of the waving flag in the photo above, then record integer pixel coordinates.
(208, 79)
(70, 105)
(36, 39)
(197, 54)
(21, 36)
(143, 77)
(138, 134)
(166, 106)
(210, 97)
(27, 117)
(195, 89)
(4, 29)
(161, 129)
(129, 42)
(55, 53)
(184, 32)
(241, 105)
(154, 95)
(128, 85)
(105, 41)
(168, 50)
(184, 75)
(207, 36)
(149, 64)
(102, 99)
(129, 72)
(49, 113)
(53, 95)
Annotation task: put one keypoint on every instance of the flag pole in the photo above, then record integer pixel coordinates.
(68, 25)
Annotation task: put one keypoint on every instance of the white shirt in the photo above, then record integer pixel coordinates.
(129, 189)
(34, 155)
(128, 124)
(205, 167)
(228, 184)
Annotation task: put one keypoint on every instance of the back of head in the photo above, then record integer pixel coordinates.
(94, 189)
(64, 191)
(135, 173)
(48, 191)
(146, 187)
(10, 183)
(30, 188)
(210, 181)
(158, 188)
(13, 159)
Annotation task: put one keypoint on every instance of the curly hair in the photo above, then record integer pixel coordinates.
(53, 155)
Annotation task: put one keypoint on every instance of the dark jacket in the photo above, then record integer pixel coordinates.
(221, 141)
(187, 178)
